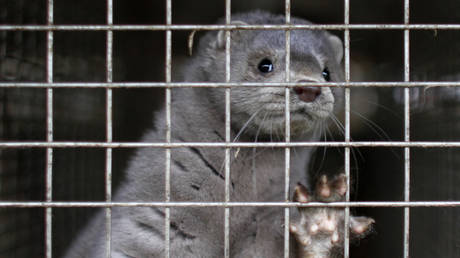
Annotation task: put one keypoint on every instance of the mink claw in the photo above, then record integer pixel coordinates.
(360, 226)
(340, 184)
(301, 194)
(323, 189)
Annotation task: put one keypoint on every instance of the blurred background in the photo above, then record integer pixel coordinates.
(79, 115)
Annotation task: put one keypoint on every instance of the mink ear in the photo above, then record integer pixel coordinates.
(220, 41)
(337, 46)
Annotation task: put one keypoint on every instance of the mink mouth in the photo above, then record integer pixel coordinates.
(303, 118)
(296, 116)
(311, 112)
(273, 123)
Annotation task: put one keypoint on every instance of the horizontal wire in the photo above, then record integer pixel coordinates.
(429, 84)
(390, 204)
(226, 145)
(232, 27)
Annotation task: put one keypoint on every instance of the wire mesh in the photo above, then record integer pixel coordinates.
(109, 144)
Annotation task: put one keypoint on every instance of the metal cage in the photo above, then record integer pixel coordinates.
(50, 145)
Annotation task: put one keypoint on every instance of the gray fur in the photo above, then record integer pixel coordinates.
(197, 174)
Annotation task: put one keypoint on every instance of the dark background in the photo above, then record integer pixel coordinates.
(139, 56)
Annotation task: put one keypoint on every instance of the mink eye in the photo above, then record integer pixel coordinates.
(326, 74)
(265, 66)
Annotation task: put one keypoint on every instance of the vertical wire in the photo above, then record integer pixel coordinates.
(287, 129)
(108, 108)
(406, 131)
(168, 129)
(49, 133)
(346, 246)
(228, 17)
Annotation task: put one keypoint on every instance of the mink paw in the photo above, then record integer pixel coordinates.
(319, 232)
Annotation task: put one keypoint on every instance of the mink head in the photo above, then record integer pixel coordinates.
(260, 56)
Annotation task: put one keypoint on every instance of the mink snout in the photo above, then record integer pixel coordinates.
(307, 94)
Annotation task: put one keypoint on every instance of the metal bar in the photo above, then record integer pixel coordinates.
(108, 109)
(49, 134)
(430, 84)
(395, 144)
(228, 19)
(287, 128)
(283, 204)
(346, 245)
(232, 27)
(168, 128)
(406, 131)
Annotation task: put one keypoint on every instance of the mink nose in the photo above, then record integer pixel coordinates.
(307, 94)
